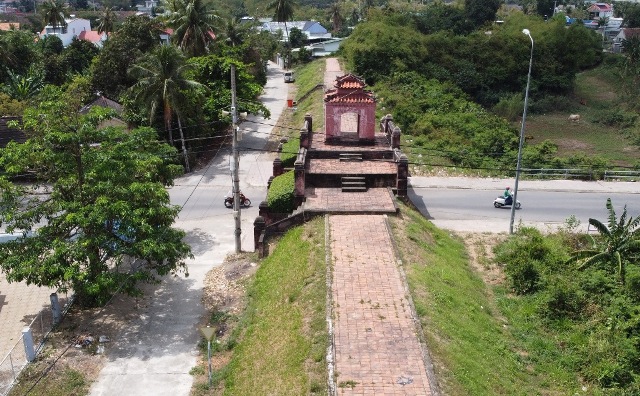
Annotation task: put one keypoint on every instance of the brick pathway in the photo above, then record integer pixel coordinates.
(332, 200)
(337, 167)
(377, 351)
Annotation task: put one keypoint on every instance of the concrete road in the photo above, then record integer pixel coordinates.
(465, 204)
(155, 354)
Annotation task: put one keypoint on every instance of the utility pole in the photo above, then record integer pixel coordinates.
(236, 163)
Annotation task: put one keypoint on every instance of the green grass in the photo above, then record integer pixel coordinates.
(307, 77)
(473, 347)
(60, 381)
(282, 348)
(600, 91)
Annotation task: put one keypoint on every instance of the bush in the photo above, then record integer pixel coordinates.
(561, 299)
(616, 118)
(549, 103)
(509, 107)
(280, 196)
(290, 152)
(523, 276)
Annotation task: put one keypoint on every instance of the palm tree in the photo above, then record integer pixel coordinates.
(335, 16)
(282, 11)
(162, 82)
(232, 32)
(193, 22)
(619, 242)
(107, 20)
(53, 13)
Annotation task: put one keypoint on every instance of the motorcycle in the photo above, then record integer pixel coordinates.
(244, 201)
(501, 202)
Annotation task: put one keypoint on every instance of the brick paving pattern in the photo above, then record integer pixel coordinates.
(377, 351)
(375, 200)
(337, 167)
(318, 143)
(19, 304)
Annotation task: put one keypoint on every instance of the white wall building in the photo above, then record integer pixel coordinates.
(75, 27)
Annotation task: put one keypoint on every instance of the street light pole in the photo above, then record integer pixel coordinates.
(236, 163)
(524, 119)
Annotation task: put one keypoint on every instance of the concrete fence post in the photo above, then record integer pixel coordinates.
(56, 312)
(304, 138)
(308, 119)
(278, 169)
(403, 174)
(27, 340)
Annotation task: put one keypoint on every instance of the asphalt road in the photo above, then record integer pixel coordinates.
(468, 206)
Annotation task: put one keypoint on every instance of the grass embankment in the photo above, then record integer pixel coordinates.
(282, 336)
(470, 339)
(606, 128)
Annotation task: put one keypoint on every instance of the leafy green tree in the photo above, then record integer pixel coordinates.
(162, 84)
(10, 106)
(383, 45)
(53, 13)
(135, 37)
(21, 53)
(618, 245)
(296, 38)
(193, 21)
(479, 12)
(99, 220)
(439, 16)
(77, 57)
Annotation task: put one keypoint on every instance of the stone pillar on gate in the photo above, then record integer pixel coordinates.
(278, 169)
(259, 227)
(304, 138)
(299, 175)
(403, 176)
(265, 212)
(308, 120)
(395, 138)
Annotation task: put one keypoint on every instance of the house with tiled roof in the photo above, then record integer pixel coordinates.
(79, 28)
(312, 29)
(103, 101)
(600, 10)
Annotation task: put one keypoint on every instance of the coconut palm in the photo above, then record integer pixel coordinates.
(192, 21)
(618, 244)
(107, 21)
(335, 16)
(162, 82)
(232, 31)
(282, 11)
(53, 13)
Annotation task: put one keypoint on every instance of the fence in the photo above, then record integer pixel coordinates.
(29, 344)
(622, 175)
(581, 174)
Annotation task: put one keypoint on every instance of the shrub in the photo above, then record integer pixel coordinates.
(549, 103)
(281, 193)
(290, 152)
(561, 299)
(523, 276)
(616, 118)
(509, 107)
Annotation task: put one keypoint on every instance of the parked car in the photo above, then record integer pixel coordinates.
(289, 77)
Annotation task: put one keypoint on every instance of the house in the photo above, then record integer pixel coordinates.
(5, 26)
(74, 29)
(600, 10)
(103, 101)
(314, 31)
(324, 48)
(147, 8)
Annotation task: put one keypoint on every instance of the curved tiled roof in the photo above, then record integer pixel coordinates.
(353, 97)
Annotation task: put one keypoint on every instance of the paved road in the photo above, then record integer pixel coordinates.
(156, 352)
(465, 204)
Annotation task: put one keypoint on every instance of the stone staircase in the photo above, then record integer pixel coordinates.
(354, 184)
(350, 157)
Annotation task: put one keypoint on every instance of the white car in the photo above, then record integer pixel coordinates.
(289, 77)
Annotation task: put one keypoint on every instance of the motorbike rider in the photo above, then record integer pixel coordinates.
(508, 197)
